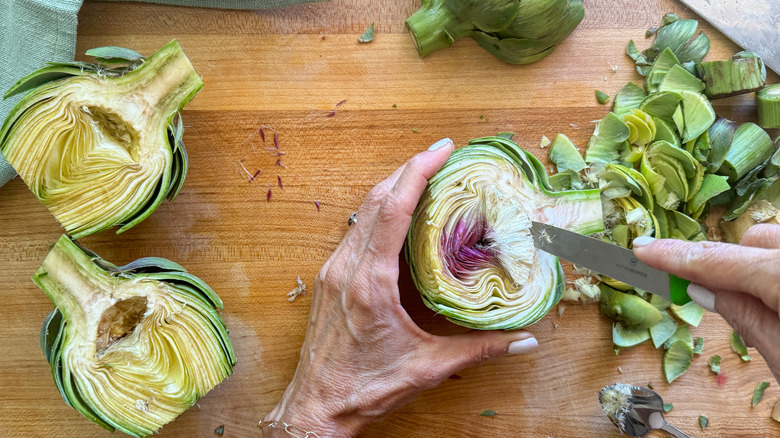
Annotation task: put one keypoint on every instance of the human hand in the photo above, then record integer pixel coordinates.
(741, 282)
(363, 356)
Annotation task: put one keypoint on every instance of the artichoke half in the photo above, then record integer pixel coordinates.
(469, 247)
(101, 146)
(516, 32)
(130, 347)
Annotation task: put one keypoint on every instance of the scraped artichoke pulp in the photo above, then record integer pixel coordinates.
(470, 248)
(101, 146)
(130, 347)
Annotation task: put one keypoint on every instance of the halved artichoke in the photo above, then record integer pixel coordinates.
(101, 146)
(130, 347)
(516, 32)
(470, 248)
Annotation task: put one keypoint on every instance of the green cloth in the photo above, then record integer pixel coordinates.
(33, 32)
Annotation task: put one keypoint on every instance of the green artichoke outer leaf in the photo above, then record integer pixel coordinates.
(721, 135)
(681, 334)
(469, 246)
(115, 55)
(100, 147)
(130, 348)
(630, 310)
(659, 70)
(666, 132)
(513, 50)
(564, 154)
(677, 360)
(488, 16)
(711, 186)
(607, 139)
(751, 147)
(689, 313)
(625, 337)
(678, 37)
(663, 330)
(628, 98)
(697, 113)
(678, 79)
(662, 104)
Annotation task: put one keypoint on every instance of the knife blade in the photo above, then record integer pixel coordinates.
(754, 24)
(610, 260)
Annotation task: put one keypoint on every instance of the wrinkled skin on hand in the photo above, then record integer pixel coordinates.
(363, 356)
(744, 278)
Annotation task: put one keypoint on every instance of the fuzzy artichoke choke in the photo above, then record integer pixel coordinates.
(470, 248)
(100, 144)
(131, 347)
(516, 32)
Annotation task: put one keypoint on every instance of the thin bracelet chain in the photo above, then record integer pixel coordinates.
(295, 431)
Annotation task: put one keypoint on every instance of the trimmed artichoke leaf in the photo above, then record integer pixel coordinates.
(630, 310)
(628, 98)
(115, 55)
(130, 351)
(368, 35)
(666, 132)
(564, 154)
(714, 364)
(624, 337)
(721, 135)
(679, 38)
(711, 186)
(659, 70)
(469, 247)
(677, 360)
(662, 104)
(607, 139)
(663, 330)
(689, 313)
(677, 79)
(672, 173)
(101, 150)
(601, 97)
(681, 334)
(697, 113)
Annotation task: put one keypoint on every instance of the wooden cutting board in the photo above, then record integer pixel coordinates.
(288, 69)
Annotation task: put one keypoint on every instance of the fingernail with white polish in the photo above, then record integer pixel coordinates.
(440, 144)
(702, 297)
(643, 241)
(523, 346)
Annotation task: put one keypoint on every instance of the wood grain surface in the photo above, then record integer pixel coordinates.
(287, 69)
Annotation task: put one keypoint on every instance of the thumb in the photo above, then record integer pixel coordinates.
(758, 325)
(473, 348)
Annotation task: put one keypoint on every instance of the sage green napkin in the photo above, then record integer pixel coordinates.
(33, 32)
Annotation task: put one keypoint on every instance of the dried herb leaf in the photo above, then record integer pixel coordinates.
(703, 422)
(714, 364)
(488, 413)
(758, 393)
(739, 347)
(668, 407)
(368, 35)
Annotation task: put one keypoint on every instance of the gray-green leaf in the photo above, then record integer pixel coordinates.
(115, 55)
(758, 393)
(368, 35)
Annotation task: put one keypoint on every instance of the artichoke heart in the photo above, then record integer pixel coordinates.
(101, 146)
(131, 347)
(469, 247)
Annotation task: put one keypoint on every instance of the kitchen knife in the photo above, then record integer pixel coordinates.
(610, 260)
(754, 24)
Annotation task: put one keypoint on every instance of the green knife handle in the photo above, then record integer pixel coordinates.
(678, 290)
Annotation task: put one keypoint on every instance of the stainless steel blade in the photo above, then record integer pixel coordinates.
(602, 257)
(753, 24)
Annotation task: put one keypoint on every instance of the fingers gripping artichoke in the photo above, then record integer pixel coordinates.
(130, 347)
(470, 248)
(516, 32)
(101, 146)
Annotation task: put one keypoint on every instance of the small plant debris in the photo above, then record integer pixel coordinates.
(298, 291)
(488, 413)
(220, 430)
(368, 35)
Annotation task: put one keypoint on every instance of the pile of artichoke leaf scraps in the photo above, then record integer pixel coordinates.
(665, 162)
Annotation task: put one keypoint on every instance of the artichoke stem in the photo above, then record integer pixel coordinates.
(166, 80)
(433, 27)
